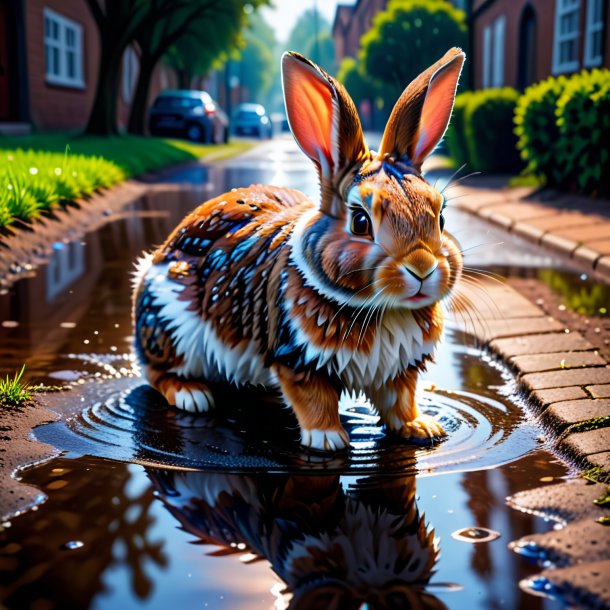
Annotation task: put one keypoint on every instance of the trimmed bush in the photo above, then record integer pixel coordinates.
(583, 120)
(537, 130)
(455, 137)
(492, 144)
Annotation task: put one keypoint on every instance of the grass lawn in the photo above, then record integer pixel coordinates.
(42, 171)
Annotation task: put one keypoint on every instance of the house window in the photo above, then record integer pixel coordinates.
(497, 77)
(594, 33)
(487, 57)
(565, 44)
(63, 50)
(493, 53)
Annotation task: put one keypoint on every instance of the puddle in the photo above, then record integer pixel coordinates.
(149, 508)
(486, 426)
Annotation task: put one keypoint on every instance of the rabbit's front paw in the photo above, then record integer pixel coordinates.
(422, 427)
(192, 396)
(325, 440)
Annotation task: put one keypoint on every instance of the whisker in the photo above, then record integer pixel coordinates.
(460, 179)
(455, 173)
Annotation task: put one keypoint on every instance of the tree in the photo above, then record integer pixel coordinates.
(257, 67)
(407, 38)
(322, 51)
(307, 34)
(209, 26)
(117, 23)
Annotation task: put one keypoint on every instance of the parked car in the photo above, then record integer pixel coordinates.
(252, 119)
(190, 114)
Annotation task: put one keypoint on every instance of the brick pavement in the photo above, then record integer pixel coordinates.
(576, 226)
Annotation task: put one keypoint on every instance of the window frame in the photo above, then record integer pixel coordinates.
(560, 10)
(591, 28)
(64, 25)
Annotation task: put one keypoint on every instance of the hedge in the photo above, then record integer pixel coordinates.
(563, 126)
(488, 117)
(536, 128)
(456, 134)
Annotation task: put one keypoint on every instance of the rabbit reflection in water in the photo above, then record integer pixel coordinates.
(262, 287)
(334, 548)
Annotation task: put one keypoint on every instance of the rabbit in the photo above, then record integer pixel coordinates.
(262, 287)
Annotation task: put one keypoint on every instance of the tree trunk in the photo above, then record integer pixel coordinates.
(103, 117)
(184, 79)
(137, 113)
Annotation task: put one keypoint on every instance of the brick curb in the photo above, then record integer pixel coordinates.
(576, 226)
(564, 378)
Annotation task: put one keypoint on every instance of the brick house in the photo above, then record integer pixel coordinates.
(49, 56)
(518, 42)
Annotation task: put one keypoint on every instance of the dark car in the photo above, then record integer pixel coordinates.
(190, 114)
(252, 119)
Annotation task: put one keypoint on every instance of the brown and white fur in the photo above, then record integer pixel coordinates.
(261, 287)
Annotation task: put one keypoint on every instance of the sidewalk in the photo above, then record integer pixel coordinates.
(564, 375)
(576, 226)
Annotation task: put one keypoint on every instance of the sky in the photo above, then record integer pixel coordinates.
(284, 13)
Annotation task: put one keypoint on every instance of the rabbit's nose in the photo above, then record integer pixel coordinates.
(421, 264)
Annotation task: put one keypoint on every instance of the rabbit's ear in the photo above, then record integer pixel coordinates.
(421, 114)
(325, 124)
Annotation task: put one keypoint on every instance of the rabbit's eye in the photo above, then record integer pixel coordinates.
(441, 222)
(361, 225)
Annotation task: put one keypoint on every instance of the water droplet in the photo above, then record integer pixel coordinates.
(72, 545)
(584, 277)
(475, 534)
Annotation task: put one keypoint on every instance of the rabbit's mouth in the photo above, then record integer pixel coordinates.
(416, 298)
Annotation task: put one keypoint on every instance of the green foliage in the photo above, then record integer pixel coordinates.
(322, 51)
(583, 119)
(563, 126)
(38, 173)
(14, 392)
(304, 31)
(456, 139)
(257, 68)
(536, 127)
(357, 83)
(488, 116)
(408, 37)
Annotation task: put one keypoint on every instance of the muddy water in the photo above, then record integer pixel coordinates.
(273, 527)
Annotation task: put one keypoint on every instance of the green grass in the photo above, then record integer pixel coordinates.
(43, 171)
(13, 391)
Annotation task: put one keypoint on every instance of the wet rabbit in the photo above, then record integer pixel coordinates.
(262, 287)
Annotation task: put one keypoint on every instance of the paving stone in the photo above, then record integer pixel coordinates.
(584, 586)
(560, 379)
(521, 212)
(562, 220)
(546, 397)
(495, 301)
(560, 415)
(474, 200)
(603, 265)
(512, 327)
(601, 245)
(600, 459)
(583, 444)
(586, 255)
(558, 361)
(569, 501)
(585, 234)
(541, 344)
(600, 391)
(527, 230)
(561, 244)
(500, 219)
(579, 542)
